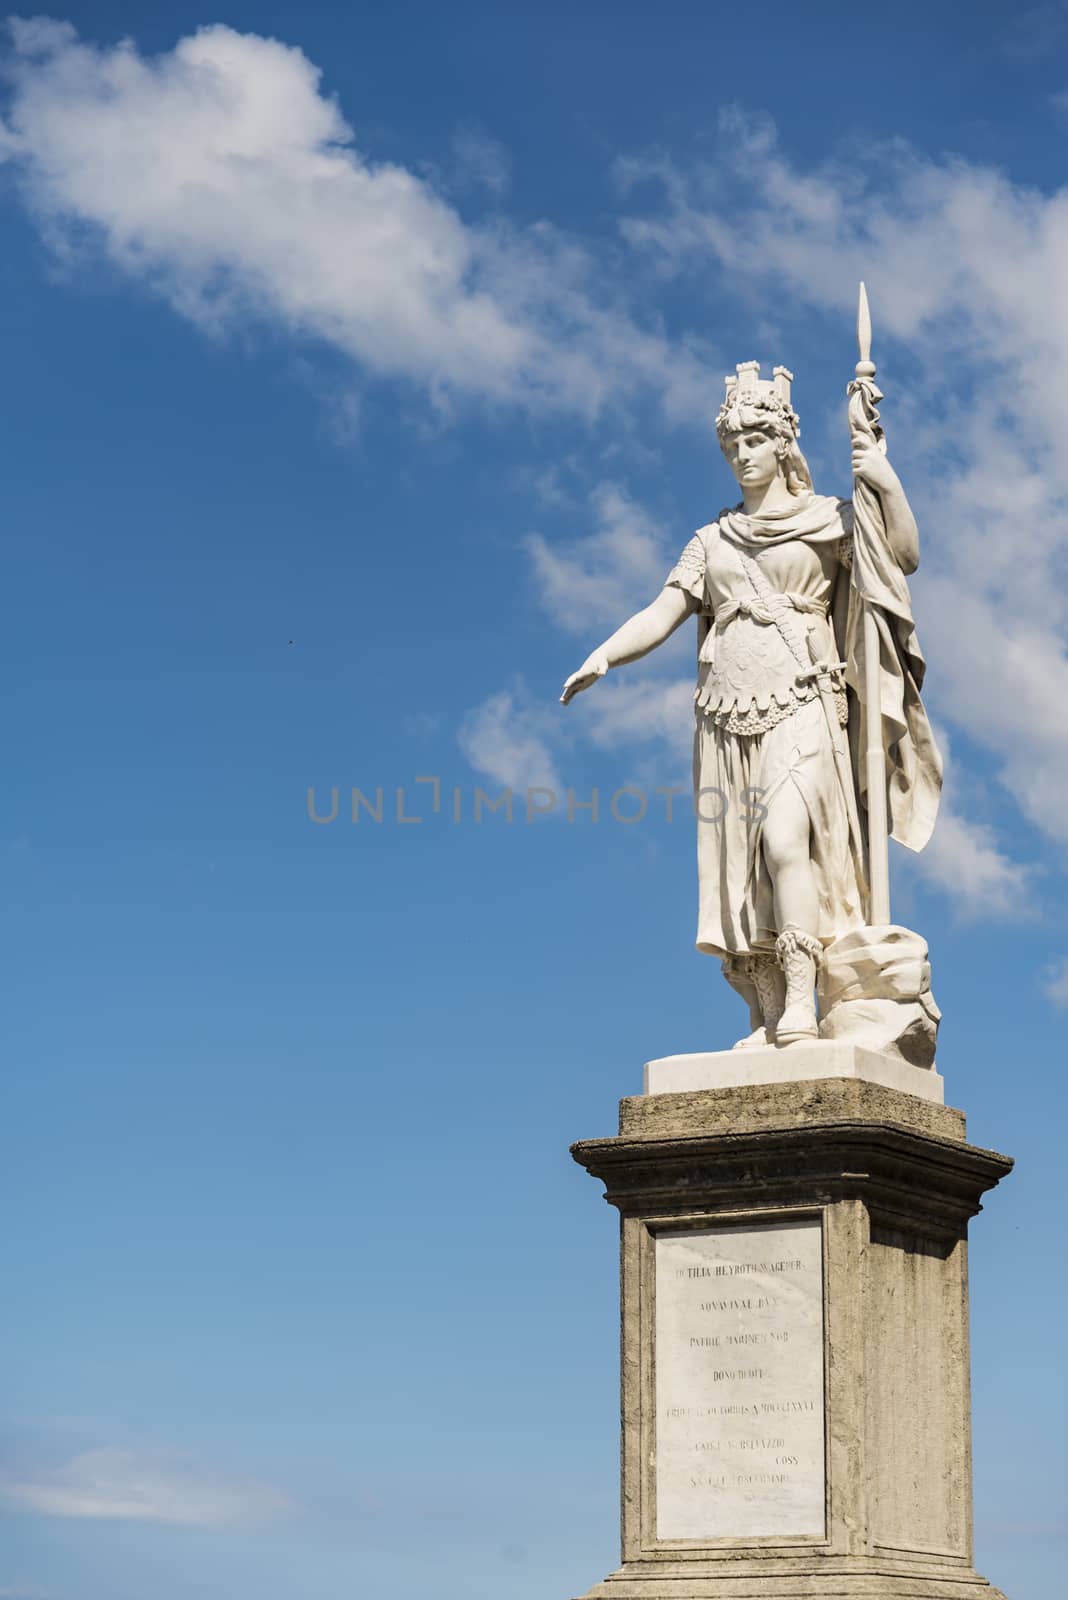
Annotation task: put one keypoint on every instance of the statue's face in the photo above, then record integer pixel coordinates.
(752, 456)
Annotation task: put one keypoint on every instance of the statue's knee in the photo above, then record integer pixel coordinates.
(785, 844)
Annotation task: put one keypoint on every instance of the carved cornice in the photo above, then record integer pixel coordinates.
(907, 1179)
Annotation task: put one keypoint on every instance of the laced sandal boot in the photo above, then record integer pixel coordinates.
(767, 978)
(736, 971)
(798, 953)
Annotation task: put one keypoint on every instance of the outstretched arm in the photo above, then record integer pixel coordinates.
(872, 467)
(638, 635)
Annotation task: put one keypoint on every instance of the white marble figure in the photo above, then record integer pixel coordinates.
(780, 585)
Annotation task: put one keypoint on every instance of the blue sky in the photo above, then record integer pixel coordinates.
(324, 396)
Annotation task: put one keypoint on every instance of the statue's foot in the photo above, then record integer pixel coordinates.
(797, 1022)
(798, 953)
(752, 1041)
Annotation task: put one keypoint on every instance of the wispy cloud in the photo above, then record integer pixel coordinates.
(219, 176)
(118, 1484)
(966, 860)
(599, 579)
(653, 708)
(963, 859)
(508, 739)
(1055, 983)
(971, 270)
(480, 160)
(588, 584)
(1034, 31)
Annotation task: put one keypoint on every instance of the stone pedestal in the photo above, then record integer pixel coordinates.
(795, 1404)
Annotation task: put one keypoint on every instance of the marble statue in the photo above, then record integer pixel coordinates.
(811, 743)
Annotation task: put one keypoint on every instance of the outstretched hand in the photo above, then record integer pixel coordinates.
(595, 666)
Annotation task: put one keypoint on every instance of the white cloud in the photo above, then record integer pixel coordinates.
(597, 581)
(643, 709)
(1055, 983)
(588, 587)
(481, 160)
(507, 739)
(964, 858)
(971, 271)
(964, 861)
(221, 177)
(117, 1484)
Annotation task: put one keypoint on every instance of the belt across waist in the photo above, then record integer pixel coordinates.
(763, 609)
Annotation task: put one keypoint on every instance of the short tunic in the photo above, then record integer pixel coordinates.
(765, 622)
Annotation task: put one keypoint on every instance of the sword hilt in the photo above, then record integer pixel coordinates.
(828, 669)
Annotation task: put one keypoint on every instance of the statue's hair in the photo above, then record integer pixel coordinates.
(765, 410)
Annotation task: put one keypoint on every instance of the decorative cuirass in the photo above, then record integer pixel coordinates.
(752, 657)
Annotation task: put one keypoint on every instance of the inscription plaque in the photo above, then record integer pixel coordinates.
(739, 1442)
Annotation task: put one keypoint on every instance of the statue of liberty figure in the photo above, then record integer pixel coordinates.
(811, 737)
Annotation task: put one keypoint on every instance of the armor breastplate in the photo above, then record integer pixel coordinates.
(751, 657)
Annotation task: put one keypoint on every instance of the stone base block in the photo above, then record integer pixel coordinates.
(861, 1582)
(802, 1062)
(795, 1409)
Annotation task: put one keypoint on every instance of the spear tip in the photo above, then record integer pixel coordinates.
(864, 334)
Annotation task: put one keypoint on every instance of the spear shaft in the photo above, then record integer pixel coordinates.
(875, 768)
(864, 418)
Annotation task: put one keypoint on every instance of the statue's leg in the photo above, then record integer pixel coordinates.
(787, 851)
(758, 978)
(736, 971)
(786, 839)
(798, 953)
(770, 984)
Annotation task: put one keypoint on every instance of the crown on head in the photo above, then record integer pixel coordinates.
(746, 387)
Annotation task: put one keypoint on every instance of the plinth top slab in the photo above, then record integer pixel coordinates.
(794, 1144)
(803, 1062)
